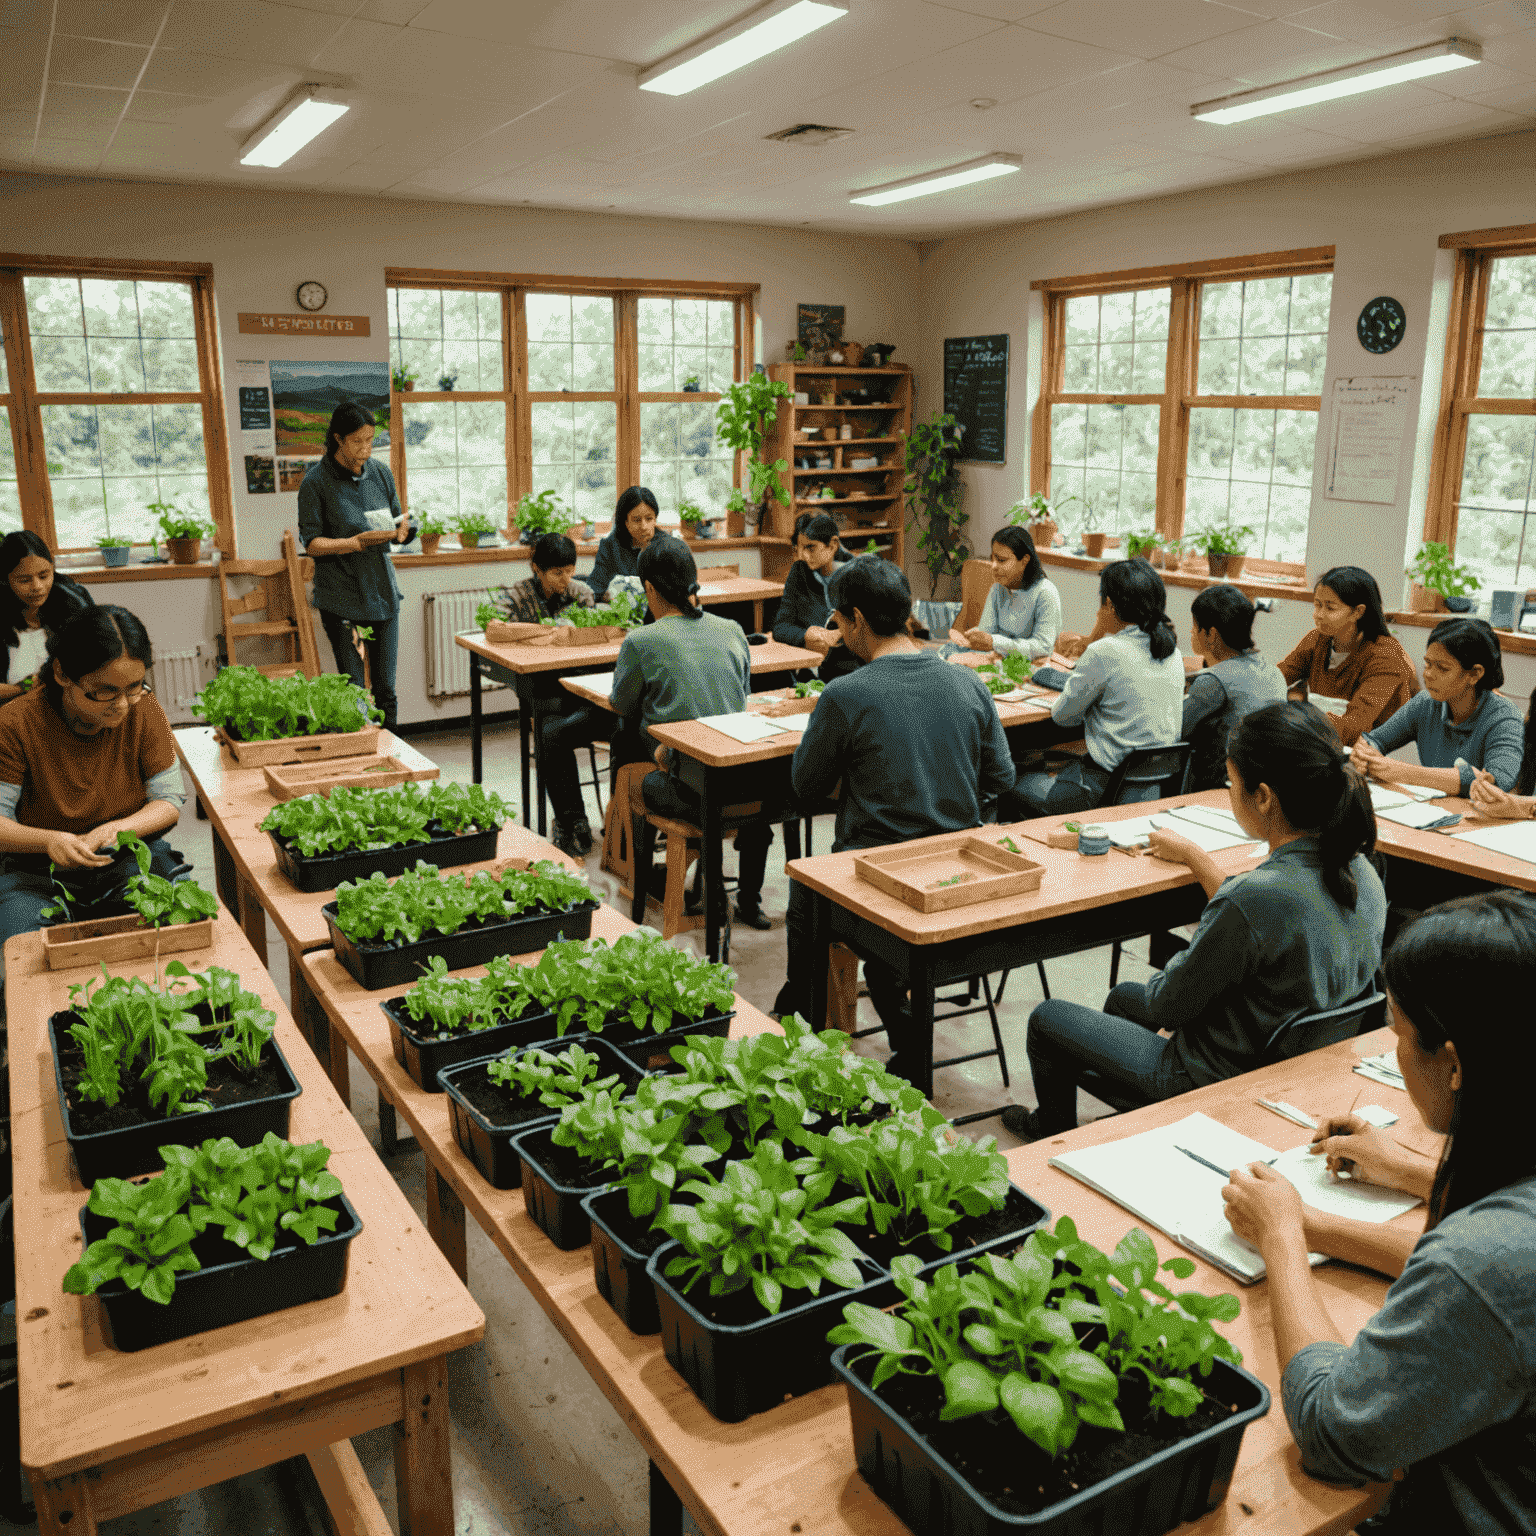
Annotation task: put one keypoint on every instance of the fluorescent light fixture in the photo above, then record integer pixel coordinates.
(306, 116)
(946, 180)
(1415, 64)
(765, 30)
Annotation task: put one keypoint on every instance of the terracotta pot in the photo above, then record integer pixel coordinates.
(1043, 532)
(469, 541)
(1235, 564)
(183, 551)
(429, 543)
(1230, 567)
(409, 384)
(1422, 600)
(1094, 544)
(735, 525)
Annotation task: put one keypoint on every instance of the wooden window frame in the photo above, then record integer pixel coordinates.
(1476, 251)
(25, 400)
(1180, 395)
(519, 400)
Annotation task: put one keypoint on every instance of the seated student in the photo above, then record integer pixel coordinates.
(1518, 804)
(634, 526)
(1349, 654)
(805, 610)
(1235, 681)
(1300, 934)
(1439, 1387)
(1126, 692)
(85, 756)
(35, 603)
(552, 588)
(917, 746)
(1022, 614)
(1458, 722)
(683, 664)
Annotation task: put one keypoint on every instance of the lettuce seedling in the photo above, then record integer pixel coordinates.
(150, 1244)
(163, 903)
(443, 1004)
(555, 1080)
(1006, 674)
(254, 707)
(623, 610)
(368, 819)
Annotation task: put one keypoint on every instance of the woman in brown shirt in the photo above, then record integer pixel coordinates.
(1349, 655)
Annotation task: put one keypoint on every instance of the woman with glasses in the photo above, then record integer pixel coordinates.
(87, 755)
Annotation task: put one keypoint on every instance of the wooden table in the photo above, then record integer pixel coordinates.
(732, 590)
(1460, 868)
(794, 1467)
(534, 671)
(105, 1433)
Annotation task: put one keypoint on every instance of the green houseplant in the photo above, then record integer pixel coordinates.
(471, 527)
(742, 418)
(697, 523)
(691, 385)
(1038, 514)
(1143, 545)
(446, 382)
(934, 490)
(402, 378)
(1224, 548)
(115, 550)
(430, 531)
(183, 533)
(541, 512)
(1437, 579)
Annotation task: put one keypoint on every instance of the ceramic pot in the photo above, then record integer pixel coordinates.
(1094, 544)
(429, 543)
(115, 554)
(183, 551)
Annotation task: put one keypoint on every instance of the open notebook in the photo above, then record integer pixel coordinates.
(1154, 1180)
(1516, 838)
(1205, 826)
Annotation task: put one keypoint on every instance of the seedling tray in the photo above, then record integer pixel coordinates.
(234, 1291)
(133, 1149)
(1180, 1483)
(740, 1369)
(113, 940)
(372, 772)
(396, 965)
(302, 749)
(618, 1267)
(425, 1055)
(325, 871)
(554, 1205)
(955, 871)
(487, 1142)
(653, 1053)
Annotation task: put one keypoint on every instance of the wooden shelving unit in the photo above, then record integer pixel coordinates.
(877, 404)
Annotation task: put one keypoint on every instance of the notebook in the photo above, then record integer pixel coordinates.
(1413, 814)
(1382, 1069)
(747, 728)
(1050, 677)
(1208, 834)
(1151, 1178)
(1516, 838)
(598, 682)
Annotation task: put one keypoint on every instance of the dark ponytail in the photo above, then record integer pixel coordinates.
(1228, 611)
(1139, 597)
(668, 565)
(1292, 748)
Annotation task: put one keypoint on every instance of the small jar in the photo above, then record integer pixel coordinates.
(845, 432)
(1093, 841)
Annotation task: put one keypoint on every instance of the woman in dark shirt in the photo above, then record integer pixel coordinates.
(35, 604)
(806, 608)
(634, 526)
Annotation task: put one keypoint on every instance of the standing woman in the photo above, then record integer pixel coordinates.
(349, 514)
(1349, 655)
(1235, 681)
(35, 604)
(634, 526)
(806, 608)
(1022, 615)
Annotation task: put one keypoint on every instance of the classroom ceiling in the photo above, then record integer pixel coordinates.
(536, 101)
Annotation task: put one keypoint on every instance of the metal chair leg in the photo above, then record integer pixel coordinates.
(1114, 964)
(1045, 986)
(997, 1033)
(597, 783)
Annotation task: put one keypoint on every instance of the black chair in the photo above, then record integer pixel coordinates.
(1310, 1032)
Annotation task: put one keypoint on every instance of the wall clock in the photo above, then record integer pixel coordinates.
(313, 296)
(1381, 325)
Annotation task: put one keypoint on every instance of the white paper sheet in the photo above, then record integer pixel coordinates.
(1370, 420)
(1340, 1197)
(1133, 833)
(1415, 814)
(745, 728)
(598, 682)
(1329, 706)
(1384, 797)
(709, 589)
(1516, 838)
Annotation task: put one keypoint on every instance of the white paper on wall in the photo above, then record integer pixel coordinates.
(1370, 421)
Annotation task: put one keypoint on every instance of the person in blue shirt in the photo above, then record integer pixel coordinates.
(1519, 803)
(634, 526)
(1235, 681)
(1022, 614)
(1458, 723)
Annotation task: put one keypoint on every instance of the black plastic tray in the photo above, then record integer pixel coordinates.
(653, 1053)
(741, 1369)
(488, 1145)
(135, 1149)
(555, 1207)
(397, 965)
(424, 1056)
(929, 1495)
(233, 1292)
(618, 1269)
(325, 871)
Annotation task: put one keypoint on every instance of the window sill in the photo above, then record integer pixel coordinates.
(91, 575)
(502, 553)
(1295, 589)
(1509, 642)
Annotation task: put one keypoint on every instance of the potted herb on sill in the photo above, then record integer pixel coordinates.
(471, 527)
(1438, 582)
(691, 385)
(1038, 516)
(1223, 549)
(1093, 535)
(115, 551)
(402, 379)
(697, 523)
(431, 533)
(447, 381)
(1142, 546)
(735, 514)
(539, 513)
(183, 533)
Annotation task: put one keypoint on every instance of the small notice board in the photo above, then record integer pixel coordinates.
(1370, 421)
(976, 394)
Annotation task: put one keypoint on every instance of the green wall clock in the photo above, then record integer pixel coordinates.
(1381, 325)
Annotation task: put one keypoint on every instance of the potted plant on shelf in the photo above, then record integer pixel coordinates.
(691, 385)
(183, 533)
(1142, 546)
(1223, 549)
(446, 381)
(934, 489)
(735, 514)
(114, 549)
(471, 527)
(402, 378)
(431, 533)
(1169, 554)
(697, 523)
(1093, 535)
(1038, 515)
(1438, 582)
(742, 418)
(540, 512)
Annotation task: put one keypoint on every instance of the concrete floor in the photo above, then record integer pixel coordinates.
(537, 1450)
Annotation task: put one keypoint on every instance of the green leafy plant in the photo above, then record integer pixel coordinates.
(401, 376)
(1007, 673)
(555, 1079)
(1435, 570)
(542, 512)
(176, 524)
(1139, 546)
(248, 704)
(473, 524)
(871, 548)
(1228, 540)
(809, 690)
(446, 381)
(736, 502)
(691, 512)
(432, 527)
(369, 819)
(490, 612)
(113, 541)
(444, 1004)
(934, 489)
(1010, 845)
(742, 418)
(1037, 509)
(623, 608)
(129, 1031)
(149, 1245)
(692, 379)
(767, 1224)
(163, 903)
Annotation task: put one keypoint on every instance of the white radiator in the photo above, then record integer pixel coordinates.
(178, 677)
(444, 615)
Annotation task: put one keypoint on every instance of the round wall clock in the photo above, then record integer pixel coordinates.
(1381, 325)
(313, 296)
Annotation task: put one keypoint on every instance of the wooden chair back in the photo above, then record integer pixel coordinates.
(279, 597)
(975, 583)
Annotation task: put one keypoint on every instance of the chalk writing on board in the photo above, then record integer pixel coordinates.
(976, 394)
(1370, 420)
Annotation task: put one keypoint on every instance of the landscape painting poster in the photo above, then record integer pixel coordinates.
(305, 394)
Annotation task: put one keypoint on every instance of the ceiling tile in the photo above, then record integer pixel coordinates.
(58, 154)
(1449, 117)
(169, 107)
(615, 29)
(1267, 53)
(197, 74)
(1483, 77)
(1515, 98)
(1298, 146)
(22, 77)
(998, 10)
(1137, 28)
(72, 112)
(1494, 19)
(120, 21)
(1516, 51)
(397, 13)
(253, 29)
(1367, 22)
(83, 61)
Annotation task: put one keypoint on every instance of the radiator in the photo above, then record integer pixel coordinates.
(446, 614)
(178, 677)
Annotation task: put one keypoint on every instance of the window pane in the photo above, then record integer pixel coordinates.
(1267, 337)
(446, 334)
(1509, 330)
(113, 337)
(570, 341)
(456, 458)
(1106, 456)
(1117, 343)
(1496, 512)
(10, 497)
(575, 451)
(683, 337)
(679, 457)
(1252, 468)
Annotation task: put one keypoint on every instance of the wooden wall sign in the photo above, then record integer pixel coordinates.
(303, 325)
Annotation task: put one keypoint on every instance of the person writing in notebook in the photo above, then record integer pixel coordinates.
(1440, 1385)
(1519, 803)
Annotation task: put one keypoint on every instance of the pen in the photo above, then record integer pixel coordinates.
(1205, 1162)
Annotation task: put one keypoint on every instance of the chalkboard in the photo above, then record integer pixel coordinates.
(976, 393)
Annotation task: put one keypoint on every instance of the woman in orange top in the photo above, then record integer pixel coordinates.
(1350, 656)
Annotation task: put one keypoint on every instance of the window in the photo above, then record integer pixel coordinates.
(1186, 399)
(110, 402)
(1482, 498)
(578, 386)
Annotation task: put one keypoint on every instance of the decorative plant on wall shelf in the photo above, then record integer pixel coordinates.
(742, 418)
(1438, 581)
(934, 490)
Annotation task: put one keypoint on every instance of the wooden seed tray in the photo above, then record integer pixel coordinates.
(925, 878)
(112, 940)
(287, 782)
(302, 749)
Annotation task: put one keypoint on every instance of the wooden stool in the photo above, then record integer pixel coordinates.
(618, 844)
(842, 989)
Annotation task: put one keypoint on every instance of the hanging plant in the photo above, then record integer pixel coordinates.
(742, 418)
(934, 490)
